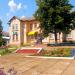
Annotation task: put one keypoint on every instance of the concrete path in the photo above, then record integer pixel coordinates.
(36, 66)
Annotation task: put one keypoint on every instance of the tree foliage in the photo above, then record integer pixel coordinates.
(55, 16)
(1, 28)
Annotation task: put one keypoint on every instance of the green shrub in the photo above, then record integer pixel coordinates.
(25, 45)
(7, 50)
(61, 52)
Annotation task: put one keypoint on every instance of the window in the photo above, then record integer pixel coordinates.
(15, 33)
(15, 36)
(51, 36)
(69, 35)
(24, 26)
(13, 27)
(16, 27)
(31, 27)
(35, 25)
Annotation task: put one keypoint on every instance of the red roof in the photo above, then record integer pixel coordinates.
(21, 19)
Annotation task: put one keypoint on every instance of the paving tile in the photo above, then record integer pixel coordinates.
(40, 68)
(37, 66)
(58, 68)
(70, 69)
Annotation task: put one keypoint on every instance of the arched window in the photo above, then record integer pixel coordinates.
(15, 36)
(31, 27)
(16, 27)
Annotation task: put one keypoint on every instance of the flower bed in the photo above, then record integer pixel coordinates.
(62, 52)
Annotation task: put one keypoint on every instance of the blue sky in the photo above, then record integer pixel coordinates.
(9, 8)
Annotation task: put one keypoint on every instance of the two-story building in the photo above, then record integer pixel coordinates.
(23, 30)
(26, 30)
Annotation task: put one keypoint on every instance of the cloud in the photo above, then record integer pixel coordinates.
(19, 6)
(14, 6)
(23, 17)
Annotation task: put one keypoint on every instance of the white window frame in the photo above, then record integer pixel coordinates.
(69, 35)
(51, 36)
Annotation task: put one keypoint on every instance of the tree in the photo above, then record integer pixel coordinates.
(1, 28)
(55, 16)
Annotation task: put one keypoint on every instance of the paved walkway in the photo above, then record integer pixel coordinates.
(37, 66)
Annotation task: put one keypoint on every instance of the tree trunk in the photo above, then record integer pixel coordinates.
(56, 37)
(49, 37)
(64, 37)
(59, 37)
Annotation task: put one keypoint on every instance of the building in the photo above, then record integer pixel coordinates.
(26, 30)
(21, 29)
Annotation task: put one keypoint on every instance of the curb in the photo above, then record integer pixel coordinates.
(51, 57)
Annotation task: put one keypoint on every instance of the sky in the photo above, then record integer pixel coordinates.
(19, 8)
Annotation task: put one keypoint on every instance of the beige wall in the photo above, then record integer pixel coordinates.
(23, 30)
(73, 35)
(14, 22)
(24, 26)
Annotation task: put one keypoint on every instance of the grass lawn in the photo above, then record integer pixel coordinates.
(7, 50)
(60, 52)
